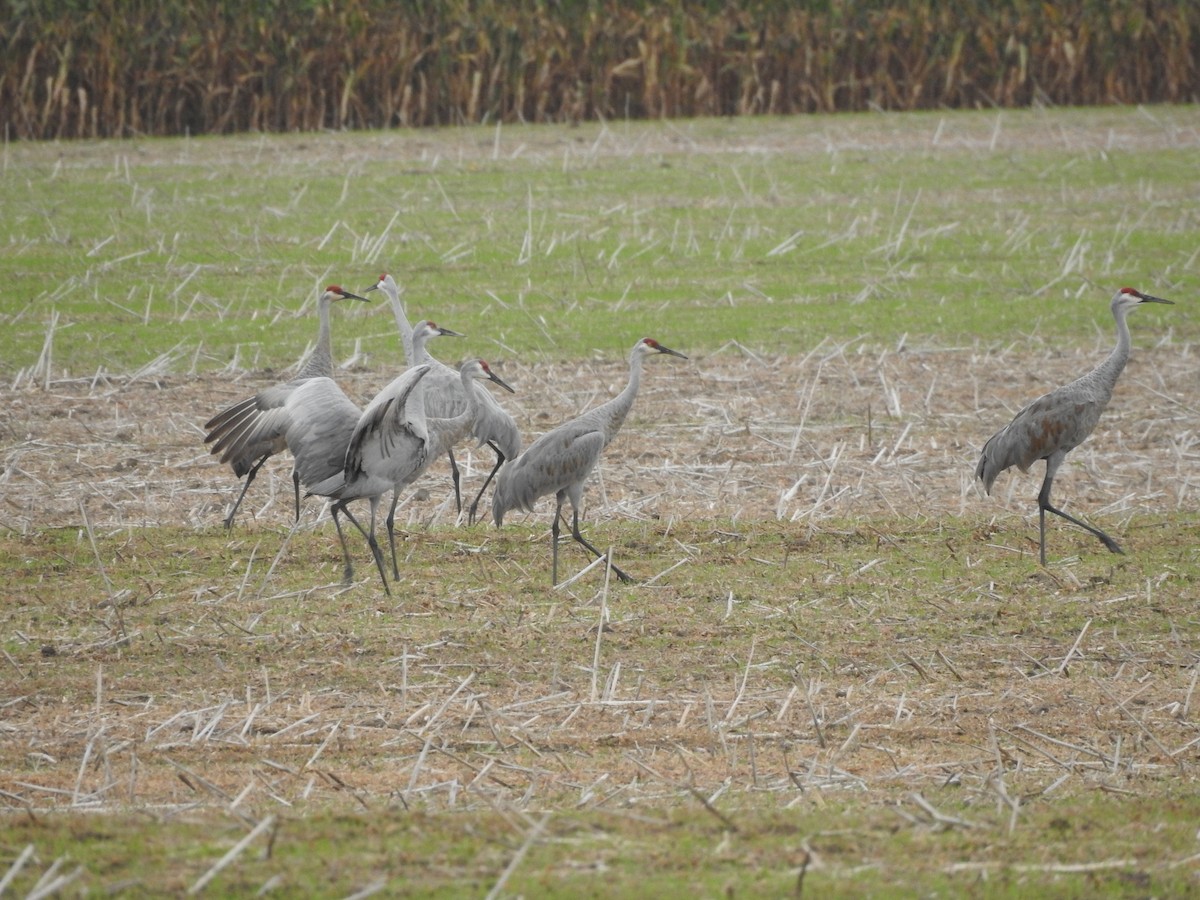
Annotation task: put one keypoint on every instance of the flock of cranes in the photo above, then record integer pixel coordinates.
(343, 453)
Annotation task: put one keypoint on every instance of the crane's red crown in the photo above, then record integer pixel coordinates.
(335, 289)
(650, 342)
(1129, 290)
(383, 276)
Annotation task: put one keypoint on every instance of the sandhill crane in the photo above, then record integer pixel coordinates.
(1056, 423)
(560, 461)
(444, 396)
(445, 433)
(319, 421)
(334, 444)
(227, 427)
(387, 284)
(386, 445)
(492, 423)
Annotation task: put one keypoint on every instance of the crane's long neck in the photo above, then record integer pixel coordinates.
(406, 329)
(1110, 369)
(616, 409)
(420, 352)
(470, 386)
(320, 361)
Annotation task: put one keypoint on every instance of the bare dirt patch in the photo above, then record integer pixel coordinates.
(847, 431)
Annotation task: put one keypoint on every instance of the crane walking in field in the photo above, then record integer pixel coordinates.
(443, 389)
(445, 433)
(369, 452)
(386, 445)
(1056, 423)
(492, 423)
(227, 428)
(560, 461)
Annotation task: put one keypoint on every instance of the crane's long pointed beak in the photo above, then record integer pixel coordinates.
(492, 376)
(446, 332)
(1146, 298)
(373, 287)
(346, 295)
(670, 352)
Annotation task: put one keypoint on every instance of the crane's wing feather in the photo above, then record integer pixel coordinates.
(322, 422)
(243, 432)
(556, 461)
(1054, 423)
(390, 429)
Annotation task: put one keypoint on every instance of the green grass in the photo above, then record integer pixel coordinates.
(627, 853)
(556, 243)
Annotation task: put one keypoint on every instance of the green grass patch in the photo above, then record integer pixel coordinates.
(559, 242)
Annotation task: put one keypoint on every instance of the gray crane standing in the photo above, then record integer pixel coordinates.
(319, 424)
(492, 424)
(387, 443)
(387, 284)
(445, 433)
(328, 425)
(443, 391)
(1056, 423)
(392, 444)
(560, 461)
(227, 428)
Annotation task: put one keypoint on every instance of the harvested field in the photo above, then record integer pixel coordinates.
(848, 430)
(205, 684)
(841, 668)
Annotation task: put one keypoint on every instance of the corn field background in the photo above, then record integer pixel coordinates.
(74, 69)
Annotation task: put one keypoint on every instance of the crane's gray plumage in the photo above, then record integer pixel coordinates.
(317, 421)
(387, 443)
(491, 425)
(444, 395)
(387, 284)
(1056, 423)
(560, 461)
(445, 433)
(228, 429)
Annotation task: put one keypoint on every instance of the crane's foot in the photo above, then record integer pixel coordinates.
(625, 577)
(1113, 546)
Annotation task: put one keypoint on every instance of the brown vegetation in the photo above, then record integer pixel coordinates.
(73, 69)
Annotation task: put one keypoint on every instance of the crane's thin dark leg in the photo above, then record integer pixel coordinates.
(370, 536)
(1045, 506)
(554, 544)
(347, 565)
(391, 530)
(245, 487)
(487, 481)
(296, 490)
(454, 477)
(581, 539)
